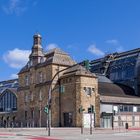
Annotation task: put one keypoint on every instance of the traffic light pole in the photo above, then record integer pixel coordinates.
(90, 123)
(50, 97)
(49, 124)
(92, 114)
(82, 124)
(81, 109)
(50, 94)
(49, 108)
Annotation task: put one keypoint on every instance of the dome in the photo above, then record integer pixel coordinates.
(37, 35)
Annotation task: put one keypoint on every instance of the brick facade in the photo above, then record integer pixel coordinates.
(34, 84)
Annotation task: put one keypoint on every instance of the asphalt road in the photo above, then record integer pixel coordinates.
(66, 134)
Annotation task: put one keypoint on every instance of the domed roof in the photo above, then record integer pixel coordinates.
(37, 35)
(103, 78)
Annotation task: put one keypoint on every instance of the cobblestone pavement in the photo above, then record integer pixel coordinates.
(67, 134)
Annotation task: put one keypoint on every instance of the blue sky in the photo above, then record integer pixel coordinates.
(86, 29)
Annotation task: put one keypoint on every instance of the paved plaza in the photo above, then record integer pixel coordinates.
(67, 134)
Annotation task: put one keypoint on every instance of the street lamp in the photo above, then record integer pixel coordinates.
(119, 121)
(50, 96)
(81, 109)
(91, 111)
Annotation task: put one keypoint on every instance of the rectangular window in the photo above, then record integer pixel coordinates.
(93, 90)
(26, 98)
(135, 109)
(40, 95)
(31, 97)
(31, 79)
(85, 89)
(120, 108)
(115, 108)
(26, 80)
(40, 77)
(138, 109)
(70, 79)
(88, 90)
(125, 108)
(130, 108)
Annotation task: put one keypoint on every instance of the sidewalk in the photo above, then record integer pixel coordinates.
(61, 133)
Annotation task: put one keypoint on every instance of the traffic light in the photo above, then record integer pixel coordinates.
(114, 112)
(91, 109)
(81, 109)
(46, 109)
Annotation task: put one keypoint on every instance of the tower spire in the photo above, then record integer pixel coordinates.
(37, 50)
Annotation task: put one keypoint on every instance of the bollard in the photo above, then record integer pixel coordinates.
(126, 126)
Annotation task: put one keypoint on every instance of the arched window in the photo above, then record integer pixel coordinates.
(26, 80)
(8, 101)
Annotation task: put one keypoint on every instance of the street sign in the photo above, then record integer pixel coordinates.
(46, 110)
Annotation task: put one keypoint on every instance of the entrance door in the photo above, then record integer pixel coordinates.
(67, 119)
(107, 121)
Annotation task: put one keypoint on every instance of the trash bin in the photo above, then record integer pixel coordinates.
(126, 125)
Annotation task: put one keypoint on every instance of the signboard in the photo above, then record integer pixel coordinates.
(46, 110)
(106, 114)
(88, 119)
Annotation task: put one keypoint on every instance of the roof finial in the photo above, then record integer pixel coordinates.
(37, 33)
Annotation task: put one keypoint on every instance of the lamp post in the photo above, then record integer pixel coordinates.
(91, 123)
(81, 109)
(91, 118)
(40, 114)
(119, 121)
(50, 92)
(50, 97)
(113, 114)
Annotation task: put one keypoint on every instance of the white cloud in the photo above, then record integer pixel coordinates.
(18, 7)
(120, 49)
(14, 7)
(52, 46)
(112, 41)
(16, 58)
(14, 76)
(94, 50)
(116, 44)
